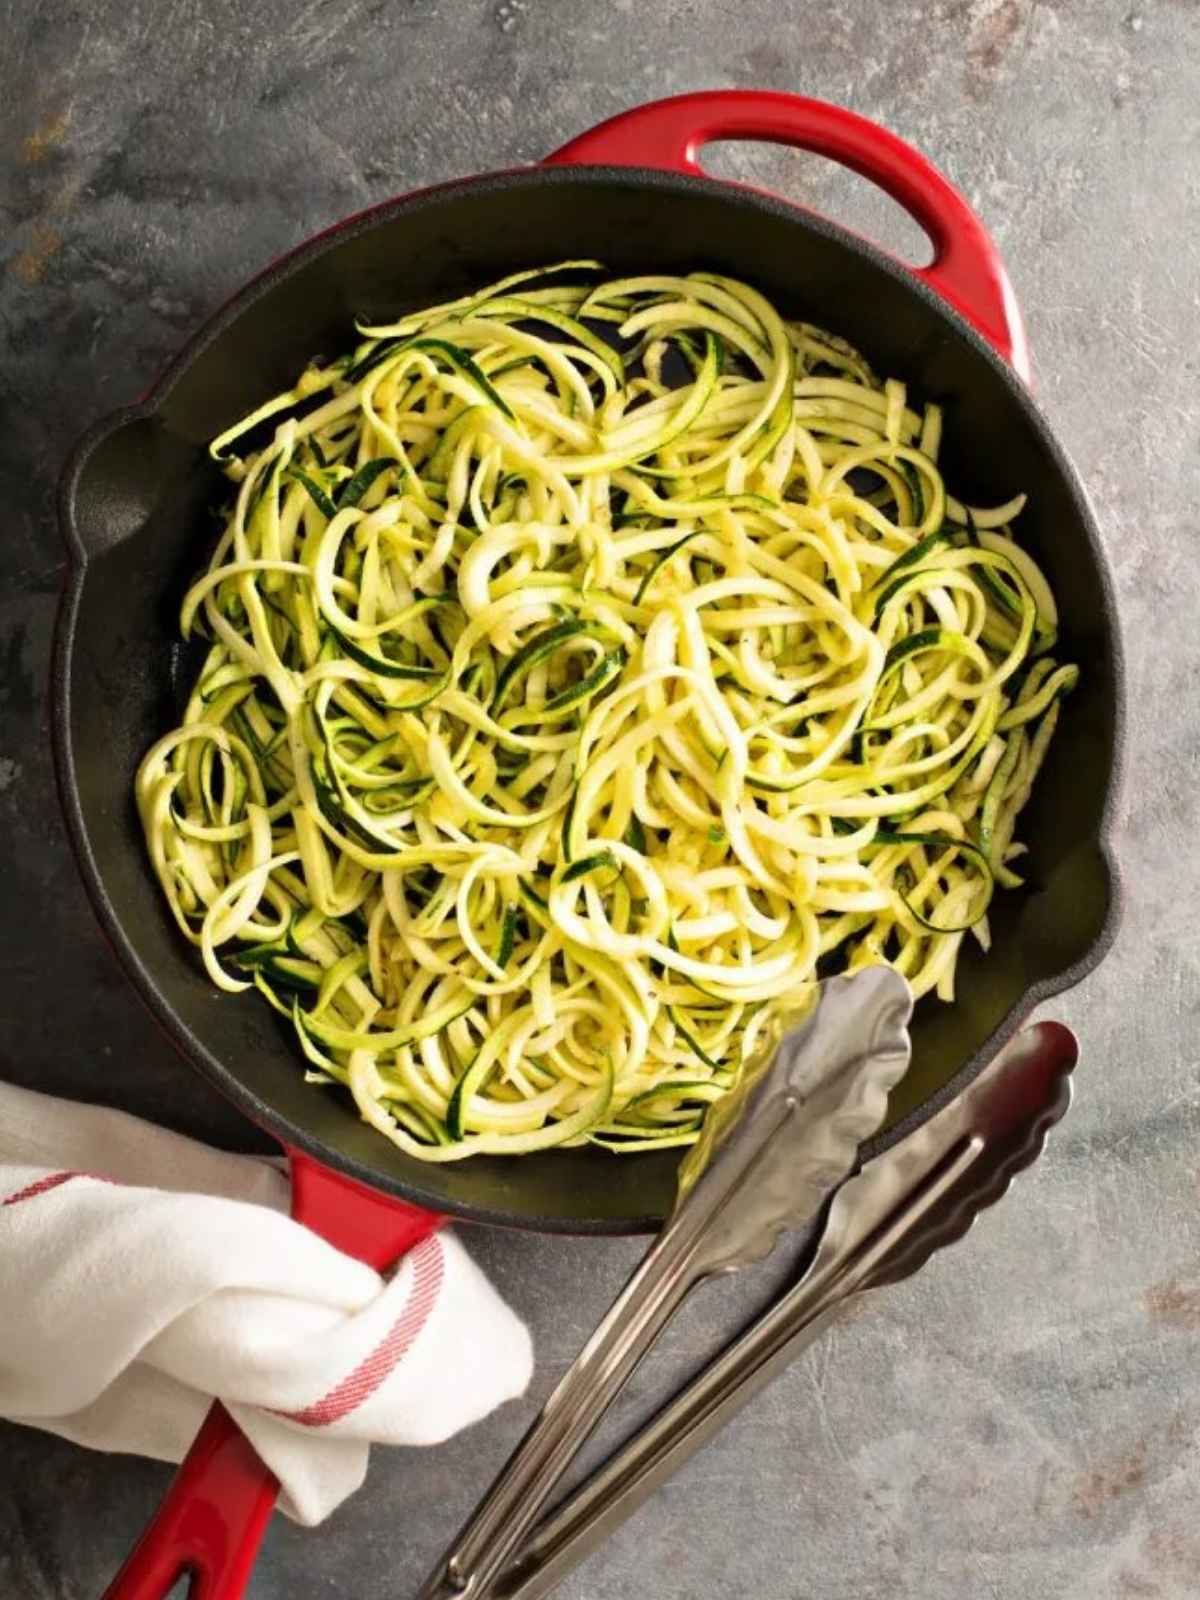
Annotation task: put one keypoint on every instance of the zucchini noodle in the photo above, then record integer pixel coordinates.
(592, 665)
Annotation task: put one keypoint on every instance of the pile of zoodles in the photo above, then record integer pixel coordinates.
(593, 664)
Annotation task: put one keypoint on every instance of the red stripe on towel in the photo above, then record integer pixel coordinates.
(428, 1272)
(52, 1180)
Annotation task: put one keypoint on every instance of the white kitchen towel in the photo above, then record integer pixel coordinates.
(142, 1274)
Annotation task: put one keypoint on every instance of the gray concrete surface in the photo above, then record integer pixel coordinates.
(1021, 1421)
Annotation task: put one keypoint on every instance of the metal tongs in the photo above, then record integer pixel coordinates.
(904, 1205)
(762, 1168)
(771, 1153)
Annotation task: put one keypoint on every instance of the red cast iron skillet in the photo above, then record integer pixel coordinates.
(133, 507)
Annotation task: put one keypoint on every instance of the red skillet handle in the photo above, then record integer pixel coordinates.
(967, 270)
(213, 1516)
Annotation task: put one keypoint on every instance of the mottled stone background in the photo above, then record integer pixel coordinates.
(1020, 1423)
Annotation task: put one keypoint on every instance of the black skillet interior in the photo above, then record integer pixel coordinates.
(135, 507)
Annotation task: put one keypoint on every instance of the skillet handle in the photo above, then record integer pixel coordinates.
(213, 1517)
(966, 271)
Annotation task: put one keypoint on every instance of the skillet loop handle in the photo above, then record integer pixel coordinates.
(215, 1513)
(967, 271)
